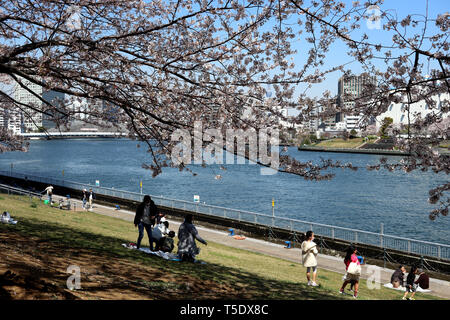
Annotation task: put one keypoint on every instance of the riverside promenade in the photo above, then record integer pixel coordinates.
(439, 288)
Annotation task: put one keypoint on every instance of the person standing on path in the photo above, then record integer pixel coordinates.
(309, 253)
(84, 199)
(145, 218)
(91, 198)
(187, 234)
(49, 191)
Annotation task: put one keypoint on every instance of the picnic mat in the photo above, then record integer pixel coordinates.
(419, 289)
(8, 221)
(161, 254)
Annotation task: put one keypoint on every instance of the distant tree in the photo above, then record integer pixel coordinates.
(345, 135)
(387, 122)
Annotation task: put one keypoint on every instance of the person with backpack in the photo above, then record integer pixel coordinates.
(309, 253)
(145, 218)
(166, 244)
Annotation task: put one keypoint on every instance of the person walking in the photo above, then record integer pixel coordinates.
(410, 285)
(84, 198)
(49, 191)
(353, 274)
(309, 253)
(187, 234)
(145, 218)
(91, 199)
(347, 260)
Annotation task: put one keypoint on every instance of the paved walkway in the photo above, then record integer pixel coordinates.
(439, 287)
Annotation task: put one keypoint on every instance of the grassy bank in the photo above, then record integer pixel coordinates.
(39, 249)
(340, 143)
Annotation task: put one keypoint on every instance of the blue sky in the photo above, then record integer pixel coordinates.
(399, 7)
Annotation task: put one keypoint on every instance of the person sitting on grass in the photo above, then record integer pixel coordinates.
(410, 285)
(160, 230)
(424, 280)
(187, 234)
(397, 278)
(166, 244)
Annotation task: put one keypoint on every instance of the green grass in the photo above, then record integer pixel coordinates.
(445, 144)
(258, 276)
(340, 143)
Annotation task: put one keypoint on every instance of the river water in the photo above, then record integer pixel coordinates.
(362, 199)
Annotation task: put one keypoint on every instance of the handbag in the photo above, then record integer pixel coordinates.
(354, 268)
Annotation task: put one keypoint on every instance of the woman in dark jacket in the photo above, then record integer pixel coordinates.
(410, 285)
(145, 218)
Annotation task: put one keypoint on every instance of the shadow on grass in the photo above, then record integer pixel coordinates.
(110, 267)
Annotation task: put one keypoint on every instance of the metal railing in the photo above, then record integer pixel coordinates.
(424, 248)
(13, 190)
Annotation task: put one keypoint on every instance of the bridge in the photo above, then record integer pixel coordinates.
(75, 134)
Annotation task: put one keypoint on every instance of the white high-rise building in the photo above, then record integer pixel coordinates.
(10, 118)
(19, 119)
(32, 119)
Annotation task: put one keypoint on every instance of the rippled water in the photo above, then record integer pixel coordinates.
(362, 199)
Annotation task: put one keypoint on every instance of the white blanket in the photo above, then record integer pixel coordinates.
(161, 254)
(419, 289)
(7, 220)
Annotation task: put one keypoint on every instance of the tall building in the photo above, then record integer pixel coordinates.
(55, 99)
(32, 120)
(314, 121)
(19, 119)
(352, 85)
(11, 117)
